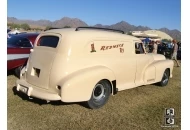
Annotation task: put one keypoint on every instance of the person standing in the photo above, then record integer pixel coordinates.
(155, 47)
(175, 49)
(150, 46)
(170, 45)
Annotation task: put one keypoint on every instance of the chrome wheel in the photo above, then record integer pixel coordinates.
(99, 92)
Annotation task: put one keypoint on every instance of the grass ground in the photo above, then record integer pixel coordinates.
(141, 108)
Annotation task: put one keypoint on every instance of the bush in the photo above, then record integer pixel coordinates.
(48, 27)
(129, 33)
(166, 40)
(13, 25)
(25, 26)
(67, 27)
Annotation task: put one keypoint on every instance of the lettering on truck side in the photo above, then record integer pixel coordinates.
(110, 47)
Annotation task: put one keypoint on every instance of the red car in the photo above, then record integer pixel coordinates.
(18, 50)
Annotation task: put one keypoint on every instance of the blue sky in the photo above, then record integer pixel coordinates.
(152, 13)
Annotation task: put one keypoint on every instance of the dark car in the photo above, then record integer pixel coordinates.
(8, 35)
(8, 30)
(18, 50)
(165, 49)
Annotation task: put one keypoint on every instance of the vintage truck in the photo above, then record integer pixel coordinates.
(89, 64)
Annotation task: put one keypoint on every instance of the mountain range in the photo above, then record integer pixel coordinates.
(75, 22)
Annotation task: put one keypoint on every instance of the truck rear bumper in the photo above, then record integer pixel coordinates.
(36, 92)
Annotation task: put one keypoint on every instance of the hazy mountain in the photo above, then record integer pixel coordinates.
(72, 22)
(173, 33)
(124, 26)
(75, 22)
(30, 22)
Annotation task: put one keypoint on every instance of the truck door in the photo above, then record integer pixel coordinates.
(142, 61)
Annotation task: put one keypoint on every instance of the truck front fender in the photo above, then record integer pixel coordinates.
(155, 71)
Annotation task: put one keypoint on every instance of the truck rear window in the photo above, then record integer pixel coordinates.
(48, 41)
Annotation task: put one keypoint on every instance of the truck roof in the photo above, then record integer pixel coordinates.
(91, 33)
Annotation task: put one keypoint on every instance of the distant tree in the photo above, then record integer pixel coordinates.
(9, 24)
(129, 33)
(13, 26)
(67, 27)
(48, 27)
(36, 29)
(25, 26)
(166, 40)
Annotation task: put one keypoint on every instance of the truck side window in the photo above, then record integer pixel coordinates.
(139, 48)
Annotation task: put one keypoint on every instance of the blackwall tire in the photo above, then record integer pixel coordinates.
(100, 95)
(165, 78)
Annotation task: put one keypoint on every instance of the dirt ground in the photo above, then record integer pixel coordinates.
(141, 108)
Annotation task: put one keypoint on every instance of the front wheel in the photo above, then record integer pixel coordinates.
(165, 78)
(100, 95)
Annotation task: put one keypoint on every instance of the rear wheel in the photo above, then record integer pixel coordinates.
(165, 78)
(100, 95)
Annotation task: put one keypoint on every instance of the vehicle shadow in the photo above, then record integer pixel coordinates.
(11, 72)
(43, 102)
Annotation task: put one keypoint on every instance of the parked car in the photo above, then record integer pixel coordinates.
(8, 35)
(164, 49)
(88, 64)
(168, 51)
(8, 30)
(18, 50)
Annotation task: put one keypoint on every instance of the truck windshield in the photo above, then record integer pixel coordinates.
(48, 41)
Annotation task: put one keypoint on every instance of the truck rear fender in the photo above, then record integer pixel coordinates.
(79, 85)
